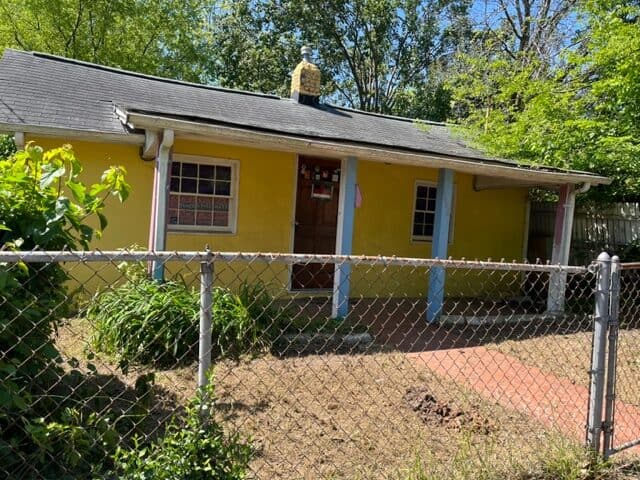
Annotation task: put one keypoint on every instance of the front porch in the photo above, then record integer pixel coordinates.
(467, 218)
(398, 324)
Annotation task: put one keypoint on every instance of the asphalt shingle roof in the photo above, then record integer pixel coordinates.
(40, 90)
(44, 90)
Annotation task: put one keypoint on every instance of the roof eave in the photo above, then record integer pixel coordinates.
(257, 139)
(132, 138)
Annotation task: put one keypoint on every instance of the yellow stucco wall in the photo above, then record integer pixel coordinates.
(489, 223)
(486, 224)
(265, 200)
(128, 222)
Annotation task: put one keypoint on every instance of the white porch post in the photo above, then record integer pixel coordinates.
(344, 237)
(561, 247)
(440, 243)
(160, 196)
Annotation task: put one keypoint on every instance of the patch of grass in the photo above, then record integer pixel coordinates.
(145, 322)
(560, 461)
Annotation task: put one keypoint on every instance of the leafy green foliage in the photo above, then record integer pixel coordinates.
(582, 114)
(377, 55)
(193, 449)
(7, 146)
(159, 37)
(147, 322)
(34, 209)
(35, 212)
(81, 442)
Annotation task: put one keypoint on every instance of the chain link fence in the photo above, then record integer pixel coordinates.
(99, 361)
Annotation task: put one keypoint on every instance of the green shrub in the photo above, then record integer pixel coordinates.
(147, 322)
(35, 212)
(196, 448)
(79, 442)
(7, 146)
(247, 322)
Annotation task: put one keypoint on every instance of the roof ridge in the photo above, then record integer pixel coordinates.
(385, 115)
(122, 71)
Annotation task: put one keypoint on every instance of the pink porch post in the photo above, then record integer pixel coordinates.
(561, 247)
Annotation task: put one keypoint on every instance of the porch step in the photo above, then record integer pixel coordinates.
(483, 320)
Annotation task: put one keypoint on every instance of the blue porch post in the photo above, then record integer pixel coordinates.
(440, 242)
(344, 237)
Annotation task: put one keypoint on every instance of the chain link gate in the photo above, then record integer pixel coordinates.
(613, 421)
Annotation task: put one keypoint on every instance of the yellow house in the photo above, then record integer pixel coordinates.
(243, 171)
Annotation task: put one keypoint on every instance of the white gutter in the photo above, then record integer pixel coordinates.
(74, 134)
(289, 143)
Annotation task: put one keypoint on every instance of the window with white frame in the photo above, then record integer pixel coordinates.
(202, 194)
(424, 211)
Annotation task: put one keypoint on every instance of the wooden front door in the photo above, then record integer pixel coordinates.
(316, 220)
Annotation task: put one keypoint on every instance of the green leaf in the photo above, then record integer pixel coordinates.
(97, 188)
(103, 220)
(19, 402)
(78, 190)
(50, 173)
(6, 399)
(62, 206)
(4, 277)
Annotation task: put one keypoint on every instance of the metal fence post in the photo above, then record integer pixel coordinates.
(206, 301)
(600, 324)
(612, 359)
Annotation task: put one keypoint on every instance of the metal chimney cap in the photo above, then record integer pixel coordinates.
(306, 53)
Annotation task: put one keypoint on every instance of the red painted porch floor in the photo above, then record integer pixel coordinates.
(554, 401)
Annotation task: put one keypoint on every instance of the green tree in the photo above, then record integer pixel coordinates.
(160, 37)
(583, 114)
(35, 212)
(377, 55)
(513, 41)
(385, 56)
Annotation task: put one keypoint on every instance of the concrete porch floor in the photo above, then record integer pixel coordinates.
(400, 323)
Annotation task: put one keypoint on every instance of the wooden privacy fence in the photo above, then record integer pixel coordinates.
(615, 228)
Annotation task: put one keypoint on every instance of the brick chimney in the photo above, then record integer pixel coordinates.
(305, 81)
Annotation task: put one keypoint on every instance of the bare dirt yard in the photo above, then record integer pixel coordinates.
(331, 416)
(364, 416)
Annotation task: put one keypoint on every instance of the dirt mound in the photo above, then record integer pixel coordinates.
(434, 412)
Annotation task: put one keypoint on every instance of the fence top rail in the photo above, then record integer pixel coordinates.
(630, 266)
(38, 256)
